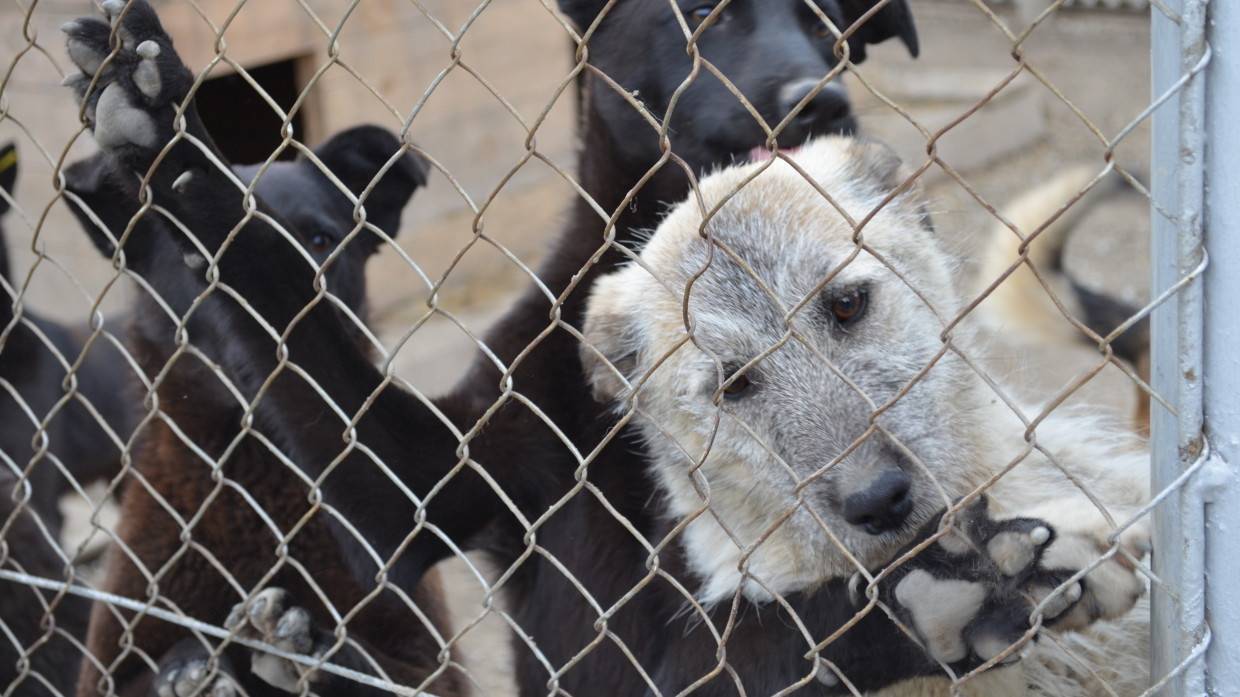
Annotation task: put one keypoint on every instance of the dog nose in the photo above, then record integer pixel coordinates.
(829, 106)
(883, 506)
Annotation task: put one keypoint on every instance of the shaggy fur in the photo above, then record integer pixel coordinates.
(779, 459)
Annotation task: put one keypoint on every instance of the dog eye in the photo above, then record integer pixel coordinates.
(848, 308)
(822, 31)
(320, 241)
(739, 385)
(699, 14)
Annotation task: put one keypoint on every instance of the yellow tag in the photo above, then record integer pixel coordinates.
(8, 160)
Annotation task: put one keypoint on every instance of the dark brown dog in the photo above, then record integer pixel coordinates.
(188, 534)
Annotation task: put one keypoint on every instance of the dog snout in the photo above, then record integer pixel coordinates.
(828, 107)
(883, 506)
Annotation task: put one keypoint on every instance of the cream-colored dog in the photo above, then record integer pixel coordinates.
(833, 410)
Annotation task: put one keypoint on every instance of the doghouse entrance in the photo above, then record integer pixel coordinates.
(240, 119)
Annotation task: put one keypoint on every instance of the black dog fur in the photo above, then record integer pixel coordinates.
(74, 437)
(535, 469)
(233, 535)
(24, 610)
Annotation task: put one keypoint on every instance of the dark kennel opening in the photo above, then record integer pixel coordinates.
(255, 136)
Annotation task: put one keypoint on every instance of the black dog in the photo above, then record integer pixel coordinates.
(49, 646)
(76, 440)
(231, 534)
(774, 51)
(615, 641)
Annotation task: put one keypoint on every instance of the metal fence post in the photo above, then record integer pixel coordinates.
(1222, 355)
(1178, 48)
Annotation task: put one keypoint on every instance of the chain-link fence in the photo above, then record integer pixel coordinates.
(600, 364)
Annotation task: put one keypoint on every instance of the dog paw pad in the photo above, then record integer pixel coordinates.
(148, 49)
(113, 8)
(988, 646)
(1013, 551)
(118, 123)
(293, 631)
(194, 678)
(955, 544)
(272, 619)
(941, 609)
(84, 57)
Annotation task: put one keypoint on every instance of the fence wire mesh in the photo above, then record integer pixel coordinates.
(209, 489)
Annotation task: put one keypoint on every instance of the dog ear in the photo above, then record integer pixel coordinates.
(8, 173)
(878, 164)
(582, 12)
(895, 19)
(612, 341)
(355, 156)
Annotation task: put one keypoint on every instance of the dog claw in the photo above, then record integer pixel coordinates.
(1040, 535)
(185, 673)
(825, 675)
(71, 26)
(181, 182)
(854, 588)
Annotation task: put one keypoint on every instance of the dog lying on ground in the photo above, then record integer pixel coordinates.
(1023, 305)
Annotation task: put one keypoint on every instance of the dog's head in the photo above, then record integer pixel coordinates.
(313, 206)
(845, 412)
(322, 216)
(775, 52)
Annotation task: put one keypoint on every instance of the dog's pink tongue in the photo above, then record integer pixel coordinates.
(761, 153)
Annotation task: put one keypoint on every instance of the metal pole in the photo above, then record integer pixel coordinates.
(1222, 349)
(1178, 604)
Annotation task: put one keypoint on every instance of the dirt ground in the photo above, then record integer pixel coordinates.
(1098, 60)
